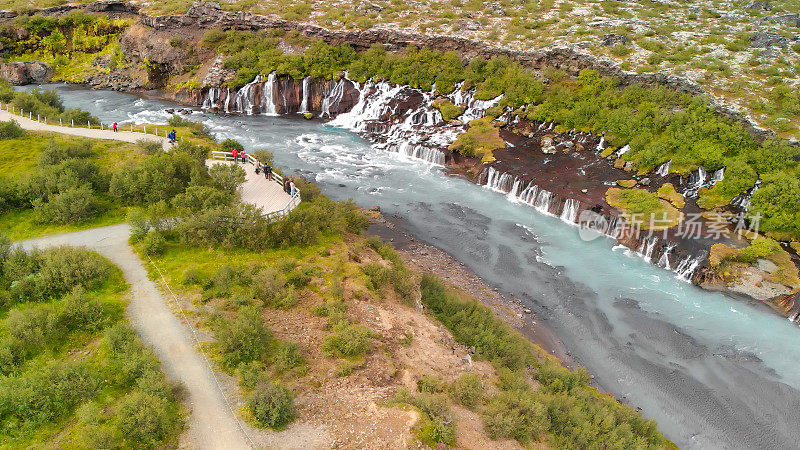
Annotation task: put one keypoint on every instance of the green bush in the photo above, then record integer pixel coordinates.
(72, 205)
(271, 405)
(146, 420)
(243, 339)
(474, 325)
(44, 274)
(230, 144)
(517, 415)
(150, 147)
(10, 130)
(200, 198)
(467, 390)
(228, 177)
(287, 357)
(347, 340)
(430, 384)
(153, 243)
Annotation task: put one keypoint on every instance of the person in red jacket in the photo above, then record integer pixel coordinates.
(243, 154)
(235, 155)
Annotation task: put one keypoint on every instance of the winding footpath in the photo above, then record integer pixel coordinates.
(125, 136)
(213, 423)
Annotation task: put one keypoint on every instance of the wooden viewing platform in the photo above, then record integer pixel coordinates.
(257, 190)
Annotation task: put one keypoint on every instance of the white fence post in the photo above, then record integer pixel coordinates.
(59, 122)
(73, 123)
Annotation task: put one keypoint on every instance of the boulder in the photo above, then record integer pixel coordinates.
(759, 6)
(611, 39)
(25, 72)
(764, 39)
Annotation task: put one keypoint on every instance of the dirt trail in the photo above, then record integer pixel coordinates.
(212, 424)
(126, 136)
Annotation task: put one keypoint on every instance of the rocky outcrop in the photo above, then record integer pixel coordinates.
(25, 72)
(765, 39)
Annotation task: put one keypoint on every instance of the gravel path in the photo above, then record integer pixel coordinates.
(126, 136)
(212, 423)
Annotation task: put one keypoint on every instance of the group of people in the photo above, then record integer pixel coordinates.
(239, 154)
(288, 182)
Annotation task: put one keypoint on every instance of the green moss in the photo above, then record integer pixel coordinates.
(480, 139)
(448, 109)
(643, 208)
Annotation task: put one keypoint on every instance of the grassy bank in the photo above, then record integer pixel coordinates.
(73, 374)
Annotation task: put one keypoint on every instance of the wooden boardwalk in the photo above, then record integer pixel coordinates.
(257, 190)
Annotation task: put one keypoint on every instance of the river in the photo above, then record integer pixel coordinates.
(714, 371)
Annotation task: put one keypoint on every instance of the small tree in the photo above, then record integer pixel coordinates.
(271, 405)
(227, 177)
(230, 144)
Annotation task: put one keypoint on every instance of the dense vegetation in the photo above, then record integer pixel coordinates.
(72, 372)
(45, 104)
(68, 43)
(563, 409)
(658, 123)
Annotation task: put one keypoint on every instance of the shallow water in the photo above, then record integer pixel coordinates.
(714, 371)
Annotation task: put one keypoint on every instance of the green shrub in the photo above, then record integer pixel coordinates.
(200, 198)
(49, 273)
(72, 205)
(230, 144)
(517, 415)
(10, 130)
(146, 420)
(150, 147)
(430, 384)
(287, 357)
(271, 405)
(153, 243)
(54, 153)
(228, 177)
(347, 340)
(467, 390)
(474, 325)
(243, 339)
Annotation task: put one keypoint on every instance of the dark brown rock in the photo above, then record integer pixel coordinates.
(25, 72)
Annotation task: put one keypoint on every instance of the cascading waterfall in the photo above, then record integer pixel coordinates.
(227, 107)
(697, 180)
(623, 150)
(305, 95)
(664, 260)
(211, 98)
(601, 145)
(718, 176)
(333, 97)
(743, 200)
(663, 169)
(474, 109)
(268, 96)
(646, 248)
(542, 202)
(688, 265)
(245, 98)
(570, 212)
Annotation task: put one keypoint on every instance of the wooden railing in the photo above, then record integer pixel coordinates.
(290, 205)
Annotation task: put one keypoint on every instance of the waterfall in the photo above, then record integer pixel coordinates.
(474, 109)
(268, 96)
(602, 144)
(646, 248)
(664, 260)
(212, 97)
(306, 95)
(623, 150)
(687, 266)
(528, 195)
(245, 100)
(663, 169)
(431, 155)
(743, 200)
(718, 176)
(227, 100)
(542, 202)
(333, 97)
(570, 212)
(697, 180)
(499, 181)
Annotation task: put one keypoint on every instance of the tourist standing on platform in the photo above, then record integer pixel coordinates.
(235, 155)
